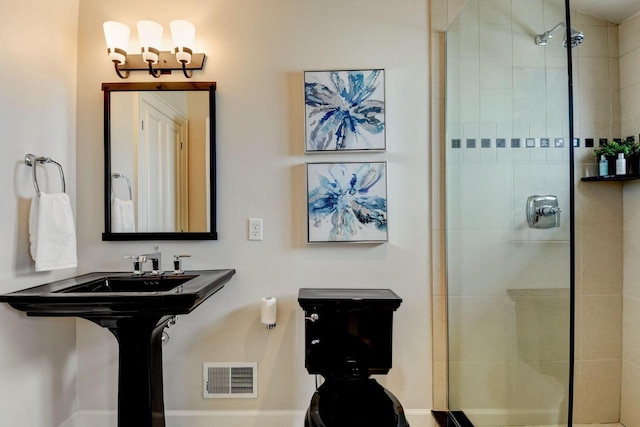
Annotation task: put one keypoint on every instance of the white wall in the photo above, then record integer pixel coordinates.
(37, 115)
(256, 52)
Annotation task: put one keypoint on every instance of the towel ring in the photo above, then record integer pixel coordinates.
(116, 175)
(31, 160)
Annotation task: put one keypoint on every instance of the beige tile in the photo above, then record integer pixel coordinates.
(439, 251)
(628, 64)
(631, 270)
(463, 39)
(594, 73)
(578, 416)
(542, 328)
(540, 385)
(601, 327)
(480, 385)
(616, 111)
(481, 329)
(578, 327)
(471, 266)
(463, 11)
(629, 35)
(614, 44)
(554, 12)
(602, 262)
(631, 208)
(495, 39)
(495, 11)
(599, 207)
(630, 411)
(440, 390)
(598, 41)
(600, 391)
(630, 109)
(631, 331)
(595, 104)
(614, 73)
(528, 12)
(578, 261)
(439, 328)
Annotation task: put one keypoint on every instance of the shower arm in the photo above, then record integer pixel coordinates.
(543, 38)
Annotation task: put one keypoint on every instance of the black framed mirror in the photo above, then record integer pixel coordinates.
(159, 161)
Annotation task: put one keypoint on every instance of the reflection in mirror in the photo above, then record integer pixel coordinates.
(159, 161)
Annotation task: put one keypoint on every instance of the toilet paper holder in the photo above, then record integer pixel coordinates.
(268, 312)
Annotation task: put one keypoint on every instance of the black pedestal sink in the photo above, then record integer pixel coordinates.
(135, 309)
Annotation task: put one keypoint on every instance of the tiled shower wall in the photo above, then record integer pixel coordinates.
(630, 96)
(599, 258)
(498, 60)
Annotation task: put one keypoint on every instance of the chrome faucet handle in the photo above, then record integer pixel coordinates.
(137, 263)
(177, 263)
(156, 261)
(155, 266)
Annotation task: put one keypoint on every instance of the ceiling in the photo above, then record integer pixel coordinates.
(616, 11)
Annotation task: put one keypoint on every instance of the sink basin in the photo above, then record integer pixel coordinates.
(135, 309)
(131, 284)
(97, 296)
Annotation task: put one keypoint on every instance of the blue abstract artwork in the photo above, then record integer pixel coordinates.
(347, 202)
(344, 110)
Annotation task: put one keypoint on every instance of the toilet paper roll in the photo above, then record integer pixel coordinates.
(268, 312)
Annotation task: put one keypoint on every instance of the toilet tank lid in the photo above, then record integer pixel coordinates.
(352, 298)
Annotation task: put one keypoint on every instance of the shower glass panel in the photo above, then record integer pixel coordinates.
(508, 138)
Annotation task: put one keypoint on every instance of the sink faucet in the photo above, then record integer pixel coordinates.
(139, 260)
(156, 260)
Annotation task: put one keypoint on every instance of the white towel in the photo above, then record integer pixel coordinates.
(52, 232)
(122, 216)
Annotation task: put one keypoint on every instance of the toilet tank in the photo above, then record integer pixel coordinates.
(348, 332)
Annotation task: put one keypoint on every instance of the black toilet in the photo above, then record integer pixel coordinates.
(348, 338)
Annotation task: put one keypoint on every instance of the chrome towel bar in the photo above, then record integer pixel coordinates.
(31, 160)
(116, 175)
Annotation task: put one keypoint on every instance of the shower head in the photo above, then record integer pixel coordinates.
(577, 37)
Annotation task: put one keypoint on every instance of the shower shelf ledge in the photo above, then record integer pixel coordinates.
(609, 178)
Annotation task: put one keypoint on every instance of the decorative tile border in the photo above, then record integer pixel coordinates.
(511, 142)
(527, 142)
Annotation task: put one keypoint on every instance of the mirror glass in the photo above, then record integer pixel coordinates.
(159, 161)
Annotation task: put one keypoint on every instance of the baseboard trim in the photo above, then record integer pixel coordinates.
(185, 418)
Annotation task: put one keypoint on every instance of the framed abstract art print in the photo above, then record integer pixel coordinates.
(344, 111)
(347, 202)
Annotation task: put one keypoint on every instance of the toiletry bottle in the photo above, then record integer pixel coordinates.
(604, 166)
(621, 164)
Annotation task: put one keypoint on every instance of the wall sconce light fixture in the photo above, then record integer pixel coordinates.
(154, 60)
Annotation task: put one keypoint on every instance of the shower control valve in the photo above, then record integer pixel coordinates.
(547, 210)
(543, 211)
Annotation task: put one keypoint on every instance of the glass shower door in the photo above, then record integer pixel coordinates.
(508, 273)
